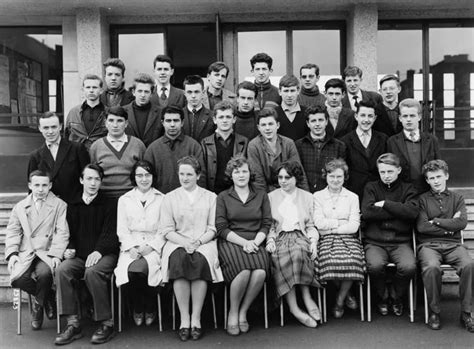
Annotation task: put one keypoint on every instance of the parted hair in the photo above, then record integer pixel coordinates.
(289, 81)
(389, 159)
(191, 161)
(366, 104)
(163, 58)
(217, 67)
(93, 77)
(435, 165)
(235, 162)
(247, 85)
(333, 165)
(95, 167)
(335, 83)
(410, 103)
(39, 173)
(310, 66)
(146, 165)
(389, 77)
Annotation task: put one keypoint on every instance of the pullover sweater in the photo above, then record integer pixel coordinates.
(267, 96)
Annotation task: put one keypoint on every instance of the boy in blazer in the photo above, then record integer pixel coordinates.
(352, 77)
(165, 94)
(215, 92)
(341, 119)
(36, 238)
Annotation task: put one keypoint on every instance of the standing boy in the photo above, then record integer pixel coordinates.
(115, 93)
(341, 119)
(309, 95)
(215, 92)
(352, 77)
(246, 117)
(268, 95)
(165, 93)
(388, 120)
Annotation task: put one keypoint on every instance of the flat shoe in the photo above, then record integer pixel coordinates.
(138, 318)
(315, 314)
(233, 330)
(351, 303)
(150, 318)
(308, 321)
(184, 333)
(196, 333)
(338, 311)
(244, 326)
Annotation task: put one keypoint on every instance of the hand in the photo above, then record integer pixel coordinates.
(250, 246)
(457, 214)
(271, 246)
(190, 247)
(11, 262)
(145, 250)
(56, 261)
(93, 258)
(314, 249)
(134, 253)
(69, 253)
(380, 203)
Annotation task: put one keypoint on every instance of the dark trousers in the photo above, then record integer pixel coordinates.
(142, 296)
(36, 280)
(97, 280)
(378, 257)
(431, 255)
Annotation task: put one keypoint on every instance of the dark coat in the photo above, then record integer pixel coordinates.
(383, 123)
(372, 96)
(175, 98)
(127, 97)
(65, 171)
(345, 124)
(362, 162)
(204, 125)
(153, 128)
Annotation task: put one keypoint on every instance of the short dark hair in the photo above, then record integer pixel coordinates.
(294, 169)
(192, 161)
(115, 62)
(117, 111)
(335, 83)
(172, 109)
(49, 114)
(223, 105)
(267, 112)
(142, 78)
(217, 67)
(334, 164)
(247, 85)
(435, 165)
(316, 109)
(388, 78)
(235, 162)
(147, 166)
(163, 58)
(310, 66)
(289, 81)
(95, 167)
(39, 173)
(261, 58)
(365, 103)
(389, 159)
(351, 70)
(192, 80)
(93, 77)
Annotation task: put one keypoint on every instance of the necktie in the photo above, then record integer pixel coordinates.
(163, 93)
(356, 103)
(38, 204)
(53, 148)
(365, 139)
(413, 136)
(193, 122)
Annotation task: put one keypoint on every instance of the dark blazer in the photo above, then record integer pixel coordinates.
(383, 123)
(65, 171)
(362, 162)
(204, 125)
(210, 155)
(429, 151)
(175, 98)
(153, 128)
(127, 97)
(345, 124)
(372, 96)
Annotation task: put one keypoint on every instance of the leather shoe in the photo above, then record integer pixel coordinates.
(351, 303)
(382, 308)
(103, 334)
(138, 318)
(233, 330)
(184, 333)
(397, 308)
(150, 318)
(338, 311)
(69, 335)
(50, 306)
(196, 333)
(467, 321)
(36, 314)
(434, 322)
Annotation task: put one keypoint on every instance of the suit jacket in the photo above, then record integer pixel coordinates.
(29, 234)
(362, 162)
(175, 98)
(372, 96)
(383, 123)
(203, 126)
(153, 128)
(345, 124)
(127, 97)
(210, 155)
(65, 171)
(227, 95)
(429, 151)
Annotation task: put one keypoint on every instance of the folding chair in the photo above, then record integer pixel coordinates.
(319, 305)
(17, 300)
(173, 310)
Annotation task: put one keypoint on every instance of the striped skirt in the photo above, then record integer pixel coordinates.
(340, 257)
(292, 264)
(233, 259)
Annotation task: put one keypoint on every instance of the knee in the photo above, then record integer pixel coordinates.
(431, 268)
(259, 274)
(407, 270)
(375, 268)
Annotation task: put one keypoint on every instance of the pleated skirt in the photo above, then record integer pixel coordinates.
(340, 257)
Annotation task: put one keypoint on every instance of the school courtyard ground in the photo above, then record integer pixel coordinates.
(349, 332)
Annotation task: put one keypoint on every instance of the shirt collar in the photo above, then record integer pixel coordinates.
(407, 134)
(445, 192)
(49, 144)
(122, 139)
(88, 199)
(358, 94)
(219, 136)
(293, 109)
(159, 87)
(179, 138)
(191, 109)
(360, 132)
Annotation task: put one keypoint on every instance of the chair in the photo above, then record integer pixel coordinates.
(444, 267)
(17, 298)
(173, 310)
(319, 305)
(361, 301)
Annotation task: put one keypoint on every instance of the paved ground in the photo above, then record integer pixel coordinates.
(382, 332)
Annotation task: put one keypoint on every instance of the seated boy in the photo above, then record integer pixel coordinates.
(441, 219)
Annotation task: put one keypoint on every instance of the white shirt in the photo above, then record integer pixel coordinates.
(289, 212)
(416, 133)
(361, 133)
(88, 199)
(192, 194)
(118, 143)
(352, 101)
(290, 111)
(53, 148)
(159, 91)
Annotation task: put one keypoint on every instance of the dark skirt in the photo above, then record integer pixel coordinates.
(292, 264)
(183, 265)
(233, 259)
(340, 257)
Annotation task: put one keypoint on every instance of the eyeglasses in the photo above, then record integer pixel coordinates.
(284, 177)
(143, 175)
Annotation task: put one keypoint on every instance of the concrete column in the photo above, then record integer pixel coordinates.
(72, 84)
(362, 27)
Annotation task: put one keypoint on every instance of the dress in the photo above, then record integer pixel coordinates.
(246, 220)
(292, 229)
(340, 255)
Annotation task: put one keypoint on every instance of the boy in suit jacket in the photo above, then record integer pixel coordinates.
(166, 94)
(352, 77)
(115, 93)
(36, 238)
(363, 146)
(414, 148)
(341, 119)
(215, 92)
(144, 118)
(388, 113)
(60, 157)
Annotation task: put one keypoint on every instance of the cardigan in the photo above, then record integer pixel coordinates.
(441, 208)
(345, 123)
(305, 205)
(244, 219)
(190, 220)
(259, 155)
(117, 165)
(328, 213)
(137, 225)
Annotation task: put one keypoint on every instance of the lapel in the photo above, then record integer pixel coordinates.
(63, 150)
(187, 122)
(205, 99)
(43, 214)
(173, 96)
(239, 144)
(132, 120)
(24, 212)
(425, 145)
(152, 117)
(201, 122)
(47, 158)
(357, 145)
(400, 141)
(210, 144)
